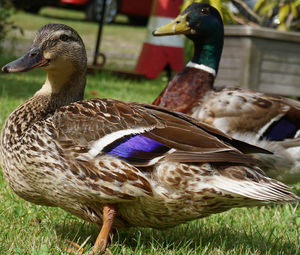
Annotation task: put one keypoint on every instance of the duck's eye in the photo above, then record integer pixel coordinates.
(64, 37)
(204, 11)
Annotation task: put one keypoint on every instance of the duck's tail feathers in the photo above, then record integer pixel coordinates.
(266, 190)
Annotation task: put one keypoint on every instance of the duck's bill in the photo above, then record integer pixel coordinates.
(32, 59)
(177, 26)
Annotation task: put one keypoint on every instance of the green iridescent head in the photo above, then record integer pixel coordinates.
(202, 24)
(203, 20)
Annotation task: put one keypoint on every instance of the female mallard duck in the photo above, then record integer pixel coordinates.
(115, 163)
(271, 122)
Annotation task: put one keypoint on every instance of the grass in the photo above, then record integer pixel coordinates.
(26, 228)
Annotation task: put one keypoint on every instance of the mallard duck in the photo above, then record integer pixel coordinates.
(271, 122)
(120, 164)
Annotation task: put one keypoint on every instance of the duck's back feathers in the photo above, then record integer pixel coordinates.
(143, 134)
(236, 110)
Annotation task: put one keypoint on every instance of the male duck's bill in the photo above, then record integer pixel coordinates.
(184, 23)
(32, 58)
(177, 26)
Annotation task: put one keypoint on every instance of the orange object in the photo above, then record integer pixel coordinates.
(158, 52)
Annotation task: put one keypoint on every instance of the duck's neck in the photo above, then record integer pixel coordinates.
(191, 84)
(63, 88)
(207, 52)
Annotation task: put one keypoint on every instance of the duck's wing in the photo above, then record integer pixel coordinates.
(289, 143)
(142, 134)
(235, 110)
(112, 146)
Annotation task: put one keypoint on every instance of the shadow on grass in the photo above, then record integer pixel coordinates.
(190, 238)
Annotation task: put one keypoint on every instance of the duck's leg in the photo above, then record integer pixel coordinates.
(109, 213)
(74, 247)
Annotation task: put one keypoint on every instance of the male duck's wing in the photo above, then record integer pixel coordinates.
(235, 110)
(183, 120)
(141, 134)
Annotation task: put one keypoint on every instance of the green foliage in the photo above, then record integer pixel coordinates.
(6, 10)
(280, 14)
(4, 15)
(221, 6)
(288, 11)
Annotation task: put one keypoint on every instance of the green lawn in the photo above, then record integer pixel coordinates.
(26, 228)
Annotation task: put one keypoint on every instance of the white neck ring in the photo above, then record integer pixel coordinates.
(202, 67)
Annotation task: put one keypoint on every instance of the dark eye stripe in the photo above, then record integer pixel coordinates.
(64, 37)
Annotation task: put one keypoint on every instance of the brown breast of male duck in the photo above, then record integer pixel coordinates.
(180, 93)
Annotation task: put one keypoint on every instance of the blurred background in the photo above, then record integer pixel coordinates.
(126, 20)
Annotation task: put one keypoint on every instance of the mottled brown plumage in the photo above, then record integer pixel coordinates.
(116, 163)
(271, 122)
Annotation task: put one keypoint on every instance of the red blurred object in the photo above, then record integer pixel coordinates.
(77, 2)
(135, 9)
(154, 58)
(161, 53)
(167, 8)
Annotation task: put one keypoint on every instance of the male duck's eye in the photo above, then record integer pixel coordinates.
(204, 11)
(64, 37)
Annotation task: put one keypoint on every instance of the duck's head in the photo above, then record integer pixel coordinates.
(202, 24)
(198, 20)
(56, 48)
(60, 51)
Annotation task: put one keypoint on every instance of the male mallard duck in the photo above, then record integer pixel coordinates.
(116, 163)
(271, 122)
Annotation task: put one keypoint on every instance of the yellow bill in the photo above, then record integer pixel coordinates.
(178, 26)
